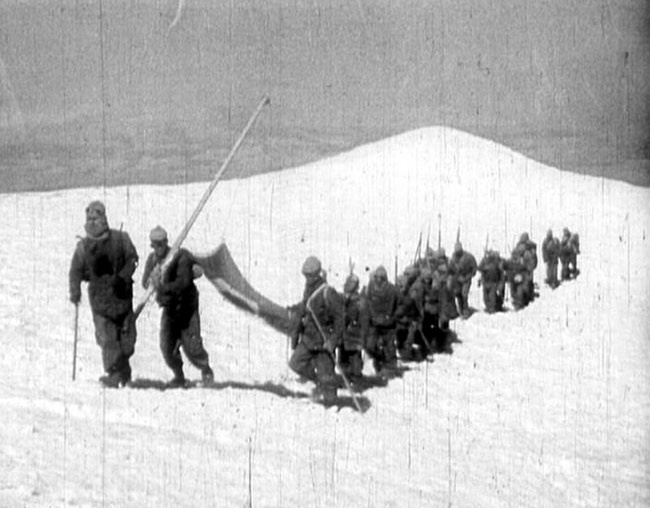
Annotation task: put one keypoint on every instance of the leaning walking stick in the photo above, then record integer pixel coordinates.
(76, 336)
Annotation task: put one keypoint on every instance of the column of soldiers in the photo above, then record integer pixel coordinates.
(409, 320)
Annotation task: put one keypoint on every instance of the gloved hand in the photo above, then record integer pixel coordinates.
(197, 271)
(75, 296)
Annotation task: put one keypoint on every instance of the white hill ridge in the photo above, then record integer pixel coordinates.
(543, 407)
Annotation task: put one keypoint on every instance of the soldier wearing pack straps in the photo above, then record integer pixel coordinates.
(106, 259)
(176, 293)
(317, 331)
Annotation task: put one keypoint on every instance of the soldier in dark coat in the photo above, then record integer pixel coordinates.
(463, 267)
(432, 299)
(176, 293)
(106, 259)
(529, 256)
(355, 310)
(550, 256)
(317, 331)
(382, 298)
(566, 254)
(517, 273)
(409, 342)
(493, 279)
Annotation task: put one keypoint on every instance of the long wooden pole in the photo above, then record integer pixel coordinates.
(199, 207)
(76, 337)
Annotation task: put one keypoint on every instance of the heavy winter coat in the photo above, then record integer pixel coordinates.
(550, 249)
(356, 321)
(491, 269)
(177, 293)
(107, 264)
(321, 308)
(382, 304)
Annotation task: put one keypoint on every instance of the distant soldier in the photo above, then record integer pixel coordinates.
(176, 293)
(442, 273)
(355, 310)
(430, 295)
(517, 273)
(318, 330)
(463, 267)
(550, 256)
(566, 254)
(493, 279)
(530, 261)
(410, 345)
(106, 259)
(382, 298)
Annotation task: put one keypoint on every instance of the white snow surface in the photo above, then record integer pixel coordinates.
(548, 406)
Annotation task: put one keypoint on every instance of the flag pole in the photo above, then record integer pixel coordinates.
(199, 207)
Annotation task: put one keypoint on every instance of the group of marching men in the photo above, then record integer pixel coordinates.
(410, 319)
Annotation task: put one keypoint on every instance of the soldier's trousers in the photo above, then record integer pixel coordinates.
(381, 348)
(176, 333)
(551, 273)
(315, 365)
(116, 338)
(491, 297)
(351, 362)
(519, 294)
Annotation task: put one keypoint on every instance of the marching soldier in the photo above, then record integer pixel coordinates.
(355, 331)
(493, 279)
(106, 259)
(463, 268)
(550, 256)
(317, 331)
(382, 298)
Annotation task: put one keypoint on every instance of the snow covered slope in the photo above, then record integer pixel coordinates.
(549, 406)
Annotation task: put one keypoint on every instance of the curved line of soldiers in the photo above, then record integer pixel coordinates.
(409, 320)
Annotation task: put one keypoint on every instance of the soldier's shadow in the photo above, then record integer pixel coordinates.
(342, 401)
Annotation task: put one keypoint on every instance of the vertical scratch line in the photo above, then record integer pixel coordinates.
(103, 88)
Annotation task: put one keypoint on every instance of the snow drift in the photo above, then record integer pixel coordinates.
(549, 406)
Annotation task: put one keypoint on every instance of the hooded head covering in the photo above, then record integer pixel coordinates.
(96, 224)
(351, 283)
(380, 273)
(311, 266)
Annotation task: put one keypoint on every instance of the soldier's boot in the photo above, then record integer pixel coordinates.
(207, 375)
(178, 381)
(329, 393)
